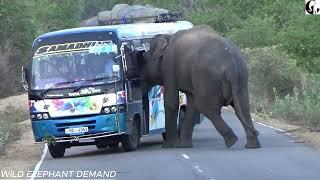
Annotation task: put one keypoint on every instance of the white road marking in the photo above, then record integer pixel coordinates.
(196, 166)
(269, 126)
(278, 129)
(36, 169)
(281, 130)
(185, 156)
(198, 169)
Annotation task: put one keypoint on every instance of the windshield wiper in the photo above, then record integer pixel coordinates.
(92, 81)
(71, 82)
(57, 85)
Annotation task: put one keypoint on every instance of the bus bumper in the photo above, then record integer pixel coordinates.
(99, 126)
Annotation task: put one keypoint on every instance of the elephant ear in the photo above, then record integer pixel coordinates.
(164, 43)
(161, 42)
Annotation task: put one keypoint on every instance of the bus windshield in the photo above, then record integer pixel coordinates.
(65, 68)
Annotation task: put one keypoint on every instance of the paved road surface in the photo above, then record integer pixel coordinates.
(280, 158)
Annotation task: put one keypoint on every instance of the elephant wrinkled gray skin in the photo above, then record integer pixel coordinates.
(211, 71)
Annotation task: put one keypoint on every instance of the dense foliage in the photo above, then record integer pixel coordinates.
(20, 23)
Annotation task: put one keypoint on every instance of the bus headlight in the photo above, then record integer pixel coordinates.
(45, 116)
(39, 116)
(114, 109)
(106, 110)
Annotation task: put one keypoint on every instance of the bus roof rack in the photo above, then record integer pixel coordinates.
(168, 17)
(160, 18)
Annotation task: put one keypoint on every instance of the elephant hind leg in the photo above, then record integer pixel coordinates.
(222, 127)
(243, 114)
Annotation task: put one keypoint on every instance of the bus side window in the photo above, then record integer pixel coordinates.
(132, 65)
(135, 90)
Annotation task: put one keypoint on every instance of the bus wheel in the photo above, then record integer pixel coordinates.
(114, 146)
(131, 141)
(57, 150)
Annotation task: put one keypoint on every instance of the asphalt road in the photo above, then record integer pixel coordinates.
(279, 158)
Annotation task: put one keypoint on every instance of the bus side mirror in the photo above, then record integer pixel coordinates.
(133, 68)
(25, 77)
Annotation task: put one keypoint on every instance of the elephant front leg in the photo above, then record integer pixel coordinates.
(222, 127)
(171, 105)
(188, 125)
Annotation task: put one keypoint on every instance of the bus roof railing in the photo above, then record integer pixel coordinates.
(160, 18)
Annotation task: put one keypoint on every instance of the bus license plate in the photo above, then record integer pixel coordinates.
(76, 130)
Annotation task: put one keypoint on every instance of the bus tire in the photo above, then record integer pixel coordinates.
(131, 141)
(57, 150)
(113, 146)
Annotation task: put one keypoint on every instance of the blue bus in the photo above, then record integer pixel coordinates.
(84, 88)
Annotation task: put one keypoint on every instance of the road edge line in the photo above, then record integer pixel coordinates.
(37, 167)
(268, 126)
(278, 129)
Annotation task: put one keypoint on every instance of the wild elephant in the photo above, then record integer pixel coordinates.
(211, 71)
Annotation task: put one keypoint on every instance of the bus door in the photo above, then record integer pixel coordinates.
(156, 113)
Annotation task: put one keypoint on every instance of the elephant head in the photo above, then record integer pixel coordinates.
(151, 63)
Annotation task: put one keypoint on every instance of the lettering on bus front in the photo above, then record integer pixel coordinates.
(76, 46)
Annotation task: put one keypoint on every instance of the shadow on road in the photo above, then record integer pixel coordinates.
(86, 151)
(205, 138)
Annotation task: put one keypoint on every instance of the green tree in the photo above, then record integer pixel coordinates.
(301, 39)
(53, 15)
(242, 8)
(16, 34)
(255, 32)
(16, 26)
(270, 69)
(282, 11)
(219, 19)
(20, 22)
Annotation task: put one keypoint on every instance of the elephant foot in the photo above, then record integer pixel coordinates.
(184, 144)
(230, 139)
(252, 143)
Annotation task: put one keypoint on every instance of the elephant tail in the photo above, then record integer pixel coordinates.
(239, 87)
(238, 78)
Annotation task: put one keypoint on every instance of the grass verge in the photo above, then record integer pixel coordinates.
(9, 119)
